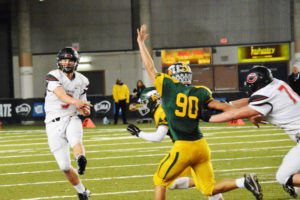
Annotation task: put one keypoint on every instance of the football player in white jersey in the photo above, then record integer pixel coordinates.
(65, 97)
(275, 100)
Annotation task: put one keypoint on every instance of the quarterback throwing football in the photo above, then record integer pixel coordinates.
(65, 97)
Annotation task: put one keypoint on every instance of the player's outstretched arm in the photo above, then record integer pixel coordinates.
(217, 105)
(145, 55)
(233, 114)
(157, 136)
(240, 102)
(62, 95)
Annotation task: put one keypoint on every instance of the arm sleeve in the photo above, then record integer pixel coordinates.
(127, 94)
(157, 136)
(159, 80)
(115, 94)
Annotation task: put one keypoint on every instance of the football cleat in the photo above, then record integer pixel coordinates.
(81, 164)
(85, 195)
(251, 184)
(290, 190)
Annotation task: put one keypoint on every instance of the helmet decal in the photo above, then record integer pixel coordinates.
(251, 78)
(258, 77)
(68, 56)
(181, 72)
(154, 97)
(185, 68)
(150, 99)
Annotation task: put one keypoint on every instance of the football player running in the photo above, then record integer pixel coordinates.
(65, 96)
(182, 105)
(150, 100)
(275, 100)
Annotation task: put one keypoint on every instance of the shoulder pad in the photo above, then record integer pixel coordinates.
(83, 78)
(52, 76)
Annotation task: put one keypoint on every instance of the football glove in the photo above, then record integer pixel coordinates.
(205, 113)
(133, 130)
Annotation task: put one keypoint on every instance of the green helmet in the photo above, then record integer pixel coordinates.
(150, 98)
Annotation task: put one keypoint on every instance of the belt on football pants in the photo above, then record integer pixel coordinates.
(56, 119)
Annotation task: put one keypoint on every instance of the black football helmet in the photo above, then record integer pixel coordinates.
(68, 53)
(258, 77)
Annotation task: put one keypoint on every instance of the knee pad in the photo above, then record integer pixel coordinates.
(282, 178)
(62, 157)
(64, 166)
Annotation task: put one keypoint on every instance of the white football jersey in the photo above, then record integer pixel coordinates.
(77, 88)
(280, 104)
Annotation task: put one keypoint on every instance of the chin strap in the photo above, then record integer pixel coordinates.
(68, 70)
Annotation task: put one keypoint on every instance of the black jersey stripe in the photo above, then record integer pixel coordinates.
(50, 77)
(257, 98)
(266, 103)
(173, 163)
(163, 162)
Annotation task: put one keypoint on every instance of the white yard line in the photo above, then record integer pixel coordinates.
(125, 166)
(94, 194)
(208, 135)
(139, 156)
(131, 137)
(43, 131)
(129, 177)
(112, 193)
(153, 149)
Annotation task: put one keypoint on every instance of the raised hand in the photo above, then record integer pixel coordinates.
(142, 33)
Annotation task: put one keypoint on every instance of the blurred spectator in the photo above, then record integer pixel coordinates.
(138, 90)
(121, 98)
(294, 80)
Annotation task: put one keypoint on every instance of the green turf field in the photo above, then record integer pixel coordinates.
(120, 166)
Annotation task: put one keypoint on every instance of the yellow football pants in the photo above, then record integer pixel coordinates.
(185, 154)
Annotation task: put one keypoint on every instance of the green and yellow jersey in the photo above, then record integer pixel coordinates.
(160, 117)
(181, 105)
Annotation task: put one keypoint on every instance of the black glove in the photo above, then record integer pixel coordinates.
(205, 113)
(133, 130)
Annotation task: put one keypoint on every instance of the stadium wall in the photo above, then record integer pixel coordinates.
(124, 65)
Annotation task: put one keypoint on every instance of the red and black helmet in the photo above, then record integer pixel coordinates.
(67, 53)
(258, 77)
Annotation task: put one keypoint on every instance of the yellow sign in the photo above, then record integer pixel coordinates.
(189, 56)
(263, 53)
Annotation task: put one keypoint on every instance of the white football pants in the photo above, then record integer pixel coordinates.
(68, 130)
(290, 165)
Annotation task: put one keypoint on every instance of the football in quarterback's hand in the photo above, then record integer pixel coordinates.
(85, 111)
